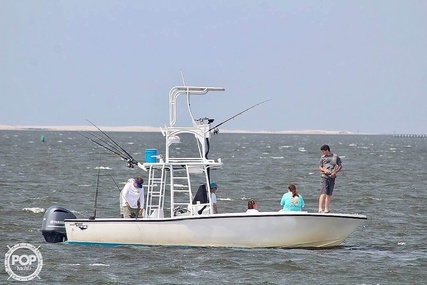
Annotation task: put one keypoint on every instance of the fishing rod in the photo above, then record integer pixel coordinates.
(115, 151)
(117, 185)
(131, 161)
(110, 138)
(118, 188)
(253, 106)
(106, 146)
(96, 192)
(111, 146)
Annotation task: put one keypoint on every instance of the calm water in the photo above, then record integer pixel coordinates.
(383, 177)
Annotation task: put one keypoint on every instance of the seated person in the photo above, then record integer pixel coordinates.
(202, 197)
(252, 207)
(292, 201)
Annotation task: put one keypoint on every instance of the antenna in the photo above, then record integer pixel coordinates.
(182, 77)
(188, 96)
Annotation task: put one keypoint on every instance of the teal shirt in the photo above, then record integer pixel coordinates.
(290, 203)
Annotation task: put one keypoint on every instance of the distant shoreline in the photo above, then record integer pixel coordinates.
(80, 128)
(148, 129)
(157, 129)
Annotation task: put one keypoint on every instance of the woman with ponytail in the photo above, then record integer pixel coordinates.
(292, 201)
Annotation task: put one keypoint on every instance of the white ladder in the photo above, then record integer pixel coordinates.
(181, 195)
(155, 192)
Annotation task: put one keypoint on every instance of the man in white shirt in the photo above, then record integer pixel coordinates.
(132, 196)
(214, 187)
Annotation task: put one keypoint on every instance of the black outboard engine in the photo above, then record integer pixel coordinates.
(53, 227)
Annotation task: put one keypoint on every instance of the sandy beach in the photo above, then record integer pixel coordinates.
(154, 129)
(81, 128)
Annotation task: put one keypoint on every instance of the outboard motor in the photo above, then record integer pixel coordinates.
(53, 227)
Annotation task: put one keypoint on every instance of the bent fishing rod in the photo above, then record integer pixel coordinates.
(215, 129)
(109, 144)
(111, 139)
(106, 146)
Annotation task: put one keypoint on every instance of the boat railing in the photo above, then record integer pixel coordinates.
(187, 161)
(176, 91)
(201, 134)
(193, 161)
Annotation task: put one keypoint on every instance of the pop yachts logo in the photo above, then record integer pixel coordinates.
(23, 262)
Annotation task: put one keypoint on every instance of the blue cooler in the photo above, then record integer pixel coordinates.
(150, 155)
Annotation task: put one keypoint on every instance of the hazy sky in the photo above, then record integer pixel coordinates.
(358, 66)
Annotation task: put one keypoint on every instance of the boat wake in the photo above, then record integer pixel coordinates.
(34, 210)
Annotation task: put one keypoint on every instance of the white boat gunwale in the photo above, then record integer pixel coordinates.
(219, 216)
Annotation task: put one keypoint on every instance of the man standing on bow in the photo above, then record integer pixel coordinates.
(132, 196)
(329, 165)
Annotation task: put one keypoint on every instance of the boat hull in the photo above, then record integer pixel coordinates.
(269, 229)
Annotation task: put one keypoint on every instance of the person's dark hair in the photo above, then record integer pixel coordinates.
(325, 147)
(139, 180)
(293, 189)
(251, 204)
